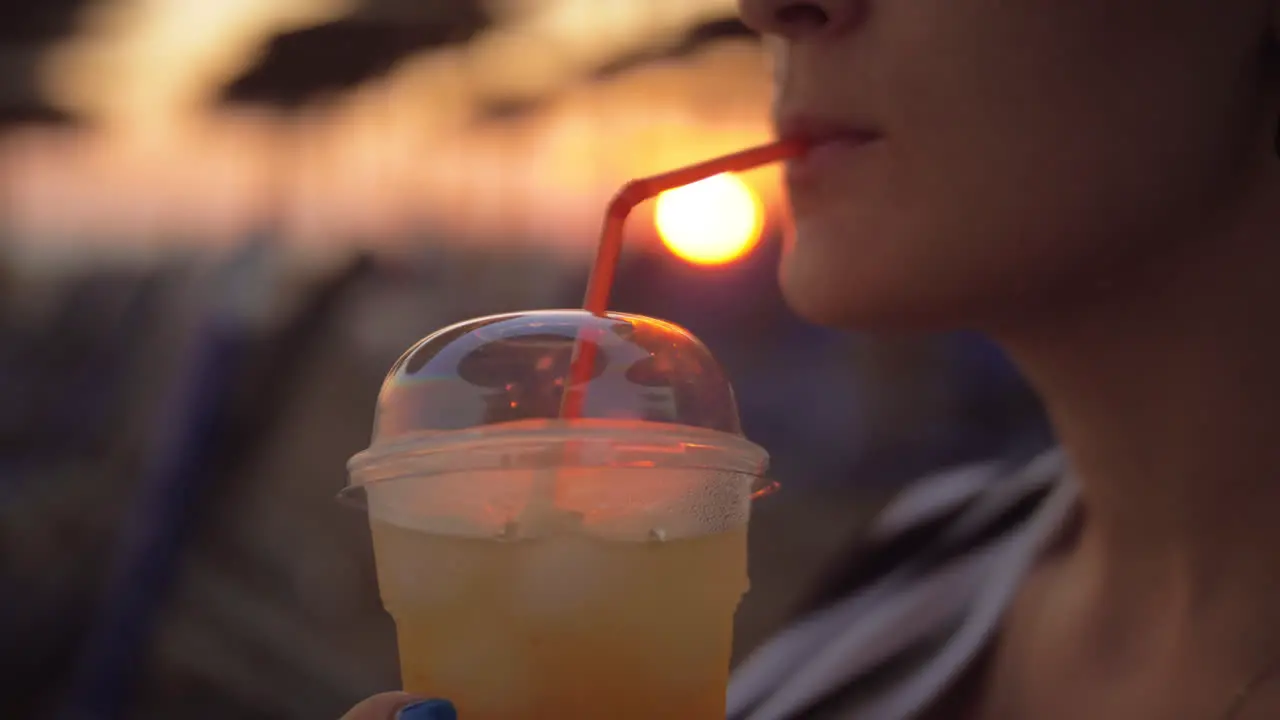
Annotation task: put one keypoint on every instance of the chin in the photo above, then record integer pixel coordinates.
(886, 289)
(866, 281)
(829, 294)
(914, 273)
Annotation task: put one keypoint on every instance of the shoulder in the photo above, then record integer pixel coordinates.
(932, 562)
(940, 517)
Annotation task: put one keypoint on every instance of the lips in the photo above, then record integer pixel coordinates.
(831, 146)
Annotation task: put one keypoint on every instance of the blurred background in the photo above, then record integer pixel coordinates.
(221, 221)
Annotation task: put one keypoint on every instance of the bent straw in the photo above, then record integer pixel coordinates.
(637, 191)
(542, 512)
(609, 250)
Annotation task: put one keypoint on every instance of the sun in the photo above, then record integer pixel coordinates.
(711, 222)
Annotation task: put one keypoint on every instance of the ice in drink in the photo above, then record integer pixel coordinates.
(565, 626)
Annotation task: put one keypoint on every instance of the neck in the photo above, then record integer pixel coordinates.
(1165, 394)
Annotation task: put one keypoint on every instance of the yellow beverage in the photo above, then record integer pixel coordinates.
(564, 626)
(561, 533)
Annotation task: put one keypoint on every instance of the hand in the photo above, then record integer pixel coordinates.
(402, 706)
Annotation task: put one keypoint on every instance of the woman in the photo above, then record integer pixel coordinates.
(1095, 184)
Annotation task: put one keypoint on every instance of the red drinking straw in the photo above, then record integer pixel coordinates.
(610, 249)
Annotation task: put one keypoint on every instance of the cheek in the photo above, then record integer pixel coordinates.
(1083, 120)
(1010, 186)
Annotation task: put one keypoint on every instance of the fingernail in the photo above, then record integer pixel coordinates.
(428, 710)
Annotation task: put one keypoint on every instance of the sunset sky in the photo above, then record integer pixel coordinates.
(394, 159)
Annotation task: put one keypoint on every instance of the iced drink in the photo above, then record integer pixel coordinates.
(566, 626)
(540, 567)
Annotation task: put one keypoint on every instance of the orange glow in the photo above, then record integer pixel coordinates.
(712, 222)
(394, 162)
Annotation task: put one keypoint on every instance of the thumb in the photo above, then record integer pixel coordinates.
(401, 706)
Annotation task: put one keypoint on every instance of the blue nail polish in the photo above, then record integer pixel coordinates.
(428, 710)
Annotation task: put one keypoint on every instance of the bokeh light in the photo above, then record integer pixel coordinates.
(712, 222)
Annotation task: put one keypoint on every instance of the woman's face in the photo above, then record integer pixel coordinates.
(995, 159)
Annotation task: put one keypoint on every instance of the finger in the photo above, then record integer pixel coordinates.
(428, 710)
(401, 706)
(380, 707)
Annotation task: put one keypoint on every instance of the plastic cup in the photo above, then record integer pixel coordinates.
(538, 567)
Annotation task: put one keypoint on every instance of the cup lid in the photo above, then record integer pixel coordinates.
(516, 367)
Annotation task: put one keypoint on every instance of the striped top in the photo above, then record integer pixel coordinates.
(943, 562)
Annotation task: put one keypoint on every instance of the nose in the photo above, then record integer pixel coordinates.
(798, 19)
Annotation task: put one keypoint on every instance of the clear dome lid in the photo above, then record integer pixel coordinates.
(517, 367)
